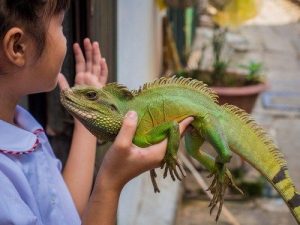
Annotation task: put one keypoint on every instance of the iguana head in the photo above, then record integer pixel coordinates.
(96, 108)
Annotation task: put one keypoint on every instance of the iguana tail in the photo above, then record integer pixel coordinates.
(285, 186)
(295, 206)
(261, 152)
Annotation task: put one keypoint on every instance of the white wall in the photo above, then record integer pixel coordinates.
(139, 61)
(139, 42)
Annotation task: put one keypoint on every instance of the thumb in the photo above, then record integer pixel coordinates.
(127, 131)
(62, 82)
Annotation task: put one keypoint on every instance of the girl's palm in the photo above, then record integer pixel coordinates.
(91, 69)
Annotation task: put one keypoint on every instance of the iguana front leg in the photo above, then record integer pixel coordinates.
(171, 131)
(222, 179)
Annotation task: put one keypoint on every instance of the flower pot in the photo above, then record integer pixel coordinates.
(236, 92)
(244, 97)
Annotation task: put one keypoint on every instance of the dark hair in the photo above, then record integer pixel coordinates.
(32, 15)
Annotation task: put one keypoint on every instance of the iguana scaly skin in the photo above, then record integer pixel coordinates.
(161, 105)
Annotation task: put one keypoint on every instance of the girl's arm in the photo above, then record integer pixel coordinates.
(122, 162)
(79, 168)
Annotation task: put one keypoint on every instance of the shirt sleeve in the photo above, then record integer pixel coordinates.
(13, 210)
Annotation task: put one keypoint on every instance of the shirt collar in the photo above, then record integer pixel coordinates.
(22, 138)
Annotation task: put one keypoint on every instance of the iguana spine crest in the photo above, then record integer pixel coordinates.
(119, 89)
(258, 130)
(190, 83)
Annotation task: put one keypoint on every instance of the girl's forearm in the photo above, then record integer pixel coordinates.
(79, 168)
(102, 207)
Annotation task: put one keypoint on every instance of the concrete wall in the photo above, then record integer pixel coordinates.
(139, 42)
(139, 60)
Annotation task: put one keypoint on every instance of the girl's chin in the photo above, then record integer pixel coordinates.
(50, 87)
(53, 86)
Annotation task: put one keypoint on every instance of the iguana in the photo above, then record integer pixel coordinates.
(160, 106)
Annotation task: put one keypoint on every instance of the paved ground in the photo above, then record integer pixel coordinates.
(274, 39)
(256, 212)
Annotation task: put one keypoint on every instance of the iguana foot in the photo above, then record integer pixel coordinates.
(222, 179)
(172, 165)
(153, 177)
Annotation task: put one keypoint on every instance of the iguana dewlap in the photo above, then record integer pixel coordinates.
(161, 105)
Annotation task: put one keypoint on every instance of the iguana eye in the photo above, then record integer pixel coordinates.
(91, 95)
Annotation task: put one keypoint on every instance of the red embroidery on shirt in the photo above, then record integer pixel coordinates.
(11, 152)
(38, 131)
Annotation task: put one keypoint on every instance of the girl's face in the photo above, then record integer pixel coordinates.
(46, 69)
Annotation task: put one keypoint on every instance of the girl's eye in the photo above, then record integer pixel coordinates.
(91, 95)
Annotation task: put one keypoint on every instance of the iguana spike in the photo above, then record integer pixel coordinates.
(181, 81)
(120, 90)
(259, 131)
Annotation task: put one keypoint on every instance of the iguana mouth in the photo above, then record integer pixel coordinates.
(73, 107)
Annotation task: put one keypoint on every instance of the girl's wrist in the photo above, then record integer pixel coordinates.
(101, 190)
(77, 123)
(105, 182)
(81, 128)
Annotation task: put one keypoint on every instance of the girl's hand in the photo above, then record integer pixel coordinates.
(91, 69)
(124, 161)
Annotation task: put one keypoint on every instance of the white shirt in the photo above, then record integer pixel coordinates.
(32, 190)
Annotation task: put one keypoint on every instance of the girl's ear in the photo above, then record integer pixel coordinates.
(14, 46)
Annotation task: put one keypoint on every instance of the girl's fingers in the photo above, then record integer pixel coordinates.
(88, 50)
(104, 71)
(79, 58)
(96, 59)
(62, 82)
(184, 124)
(91, 68)
(96, 70)
(96, 52)
(124, 138)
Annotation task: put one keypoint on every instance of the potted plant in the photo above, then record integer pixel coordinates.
(240, 86)
(251, 84)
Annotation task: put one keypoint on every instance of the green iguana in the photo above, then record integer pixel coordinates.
(160, 106)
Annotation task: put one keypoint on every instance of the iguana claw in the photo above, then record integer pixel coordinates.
(172, 165)
(222, 179)
(153, 176)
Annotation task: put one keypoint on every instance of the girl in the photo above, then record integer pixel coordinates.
(32, 188)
